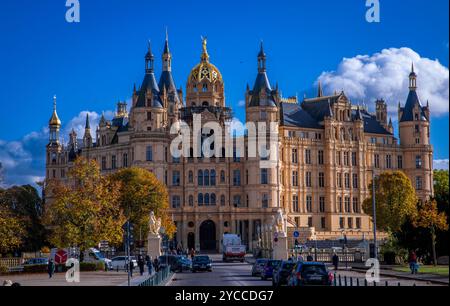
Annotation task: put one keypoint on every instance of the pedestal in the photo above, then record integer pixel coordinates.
(154, 246)
(280, 249)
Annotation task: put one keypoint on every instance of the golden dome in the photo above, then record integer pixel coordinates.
(54, 120)
(205, 70)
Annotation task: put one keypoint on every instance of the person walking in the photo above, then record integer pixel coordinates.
(148, 261)
(50, 268)
(335, 260)
(141, 264)
(131, 267)
(156, 265)
(192, 254)
(412, 260)
(309, 258)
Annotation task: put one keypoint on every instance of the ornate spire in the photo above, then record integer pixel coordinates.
(412, 79)
(54, 120)
(262, 59)
(149, 60)
(167, 56)
(205, 55)
(320, 91)
(88, 125)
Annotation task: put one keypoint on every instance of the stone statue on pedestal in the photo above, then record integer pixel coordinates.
(154, 239)
(154, 224)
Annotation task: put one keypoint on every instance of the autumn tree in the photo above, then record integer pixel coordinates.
(141, 192)
(11, 230)
(430, 218)
(395, 200)
(86, 209)
(25, 205)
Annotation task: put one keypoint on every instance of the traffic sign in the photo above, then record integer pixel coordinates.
(296, 234)
(60, 257)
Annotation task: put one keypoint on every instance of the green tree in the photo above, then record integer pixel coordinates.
(431, 219)
(395, 200)
(141, 193)
(86, 210)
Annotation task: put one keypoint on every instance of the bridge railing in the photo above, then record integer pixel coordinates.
(158, 278)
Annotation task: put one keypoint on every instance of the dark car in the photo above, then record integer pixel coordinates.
(282, 273)
(310, 274)
(186, 263)
(258, 266)
(36, 261)
(267, 271)
(174, 261)
(201, 263)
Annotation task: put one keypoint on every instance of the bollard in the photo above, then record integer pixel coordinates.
(357, 282)
(374, 284)
(351, 281)
(387, 285)
(335, 280)
(340, 281)
(399, 284)
(345, 280)
(365, 282)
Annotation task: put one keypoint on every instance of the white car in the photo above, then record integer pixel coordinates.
(120, 262)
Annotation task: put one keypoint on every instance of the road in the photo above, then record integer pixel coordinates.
(239, 274)
(224, 274)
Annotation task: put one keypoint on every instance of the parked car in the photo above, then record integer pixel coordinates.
(201, 263)
(267, 271)
(281, 274)
(310, 274)
(258, 266)
(186, 263)
(120, 262)
(36, 261)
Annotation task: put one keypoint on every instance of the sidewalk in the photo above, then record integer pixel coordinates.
(387, 271)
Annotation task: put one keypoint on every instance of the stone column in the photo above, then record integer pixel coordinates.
(250, 235)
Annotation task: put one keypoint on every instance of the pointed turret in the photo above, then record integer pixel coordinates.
(149, 87)
(54, 125)
(413, 109)
(87, 138)
(319, 90)
(262, 93)
(166, 82)
(149, 60)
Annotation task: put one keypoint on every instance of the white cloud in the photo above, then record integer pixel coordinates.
(241, 103)
(441, 164)
(385, 75)
(23, 161)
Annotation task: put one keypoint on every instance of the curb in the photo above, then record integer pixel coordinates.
(169, 280)
(406, 277)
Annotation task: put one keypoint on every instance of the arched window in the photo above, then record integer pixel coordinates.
(350, 134)
(207, 199)
(206, 178)
(213, 177)
(191, 177)
(213, 199)
(342, 134)
(222, 200)
(200, 199)
(222, 176)
(191, 200)
(200, 177)
(205, 88)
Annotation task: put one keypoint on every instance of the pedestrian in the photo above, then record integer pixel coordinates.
(300, 258)
(335, 260)
(131, 267)
(148, 261)
(141, 264)
(309, 258)
(156, 265)
(50, 268)
(412, 260)
(192, 254)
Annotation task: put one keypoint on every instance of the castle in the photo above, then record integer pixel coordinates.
(328, 150)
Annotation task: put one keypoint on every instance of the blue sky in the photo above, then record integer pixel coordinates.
(92, 64)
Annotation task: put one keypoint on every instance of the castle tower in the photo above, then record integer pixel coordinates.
(170, 96)
(414, 131)
(54, 147)
(147, 112)
(87, 139)
(381, 112)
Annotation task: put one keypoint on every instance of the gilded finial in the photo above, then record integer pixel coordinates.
(205, 56)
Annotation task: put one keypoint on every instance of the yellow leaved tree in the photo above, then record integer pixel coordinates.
(85, 210)
(395, 199)
(140, 194)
